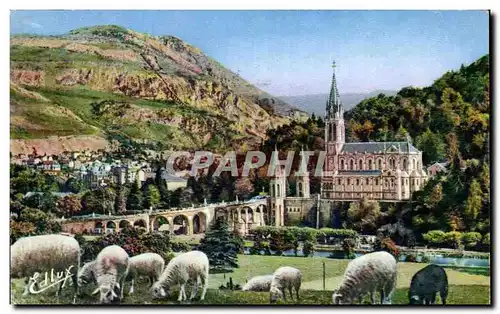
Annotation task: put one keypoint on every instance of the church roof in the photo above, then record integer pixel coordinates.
(382, 147)
(334, 105)
(361, 173)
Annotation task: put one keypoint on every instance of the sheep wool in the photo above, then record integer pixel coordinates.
(285, 278)
(44, 253)
(86, 273)
(110, 270)
(426, 283)
(368, 274)
(148, 265)
(192, 266)
(258, 283)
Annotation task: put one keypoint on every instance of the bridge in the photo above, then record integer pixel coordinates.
(240, 215)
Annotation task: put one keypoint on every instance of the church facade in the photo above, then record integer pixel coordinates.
(382, 171)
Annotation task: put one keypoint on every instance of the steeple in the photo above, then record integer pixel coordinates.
(334, 105)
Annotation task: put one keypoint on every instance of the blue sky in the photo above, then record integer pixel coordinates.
(290, 52)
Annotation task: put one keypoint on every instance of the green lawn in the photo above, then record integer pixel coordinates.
(464, 288)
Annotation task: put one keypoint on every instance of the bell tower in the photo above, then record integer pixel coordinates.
(334, 119)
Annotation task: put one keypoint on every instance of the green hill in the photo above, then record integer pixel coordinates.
(107, 82)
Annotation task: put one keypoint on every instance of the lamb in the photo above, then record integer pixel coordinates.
(42, 254)
(367, 274)
(284, 278)
(426, 283)
(148, 264)
(110, 270)
(190, 266)
(86, 273)
(258, 283)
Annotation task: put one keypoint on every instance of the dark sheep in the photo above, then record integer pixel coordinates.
(426, 283)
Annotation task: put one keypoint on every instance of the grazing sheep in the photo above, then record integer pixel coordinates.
(148, 264)
(86, 273)
(258, 283)
(190, 266)
(43, 254)
(426, 283)
(110, 270)
(284, 278)
(365, 275)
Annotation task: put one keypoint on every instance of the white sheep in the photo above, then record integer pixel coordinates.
(191, 266)
(43, 254)
(368, 274)
(284, 278)
(148, 265)
(258, 283)
(110, 270)
(86, 273)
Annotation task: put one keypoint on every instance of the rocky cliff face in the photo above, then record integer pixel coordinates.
(155, 88)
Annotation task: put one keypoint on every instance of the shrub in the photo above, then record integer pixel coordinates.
(180, 247)
(434, 237)
(471, 239)
(386, 244)
(325, 235)
(486, 239)
(308, 248)
(410, 258)
(453, 239)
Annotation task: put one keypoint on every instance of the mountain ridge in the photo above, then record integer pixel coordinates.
(114, 83)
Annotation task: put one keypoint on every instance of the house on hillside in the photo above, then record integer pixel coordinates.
(437, 167)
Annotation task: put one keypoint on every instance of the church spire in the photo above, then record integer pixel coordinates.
(334, 105)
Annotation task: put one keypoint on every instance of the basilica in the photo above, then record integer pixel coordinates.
(382, 171)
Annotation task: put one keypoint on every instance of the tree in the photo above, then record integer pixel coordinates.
(474, 202)
(432, 147)
(36, 217)
(120, 200)
(185, 197)
(243, 187)
(75, 185)
(20, 229)
(221, 246)
(364, 215)
(69, 206)
(152, 197)
(134, 199)
(436, 194)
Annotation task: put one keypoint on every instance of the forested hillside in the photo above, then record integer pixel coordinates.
(448, 121)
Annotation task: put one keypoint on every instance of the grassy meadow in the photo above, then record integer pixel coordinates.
(464, 288)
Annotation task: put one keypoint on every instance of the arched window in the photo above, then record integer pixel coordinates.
(351, 164)
(348, 181)
(418, 164)
(357, 181)
(380, 164)
(278, 192)
(370, 164)
(334, 133)
(300, 186)
(405, 164)
(367, 182)
(376, 181)
(414, 165)
(340, 182)
(360, 164)
(342, 165)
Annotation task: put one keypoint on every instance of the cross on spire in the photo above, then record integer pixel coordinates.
(334, 105)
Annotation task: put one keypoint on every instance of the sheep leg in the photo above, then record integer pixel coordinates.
(382, 296)
(284, 294)
(444, 295)
(297, 292)
(194, 291)
(433, 298)
(372, 296)
(122, 286)
(203, 279)
(131, 290)
(181, 293)
(291, 292)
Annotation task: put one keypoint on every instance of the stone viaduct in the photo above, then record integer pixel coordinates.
(241, 217)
